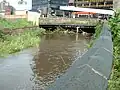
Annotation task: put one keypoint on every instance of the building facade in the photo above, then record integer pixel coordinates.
(47, 7)
(101, 4)
(19, 4)
(38, 4)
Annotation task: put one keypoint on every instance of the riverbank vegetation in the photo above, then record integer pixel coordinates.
(11, 43)
(12, 24)
(114, 82)
(98, 29)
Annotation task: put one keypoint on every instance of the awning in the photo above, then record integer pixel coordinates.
(83, 13)
(100, 11)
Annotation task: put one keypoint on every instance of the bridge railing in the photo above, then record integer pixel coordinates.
(62, 20)
(92, 70)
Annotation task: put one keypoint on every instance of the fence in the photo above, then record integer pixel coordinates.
(63, 20)
(92, 70)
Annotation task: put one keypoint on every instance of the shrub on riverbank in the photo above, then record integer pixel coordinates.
(16, 41)
(20, 41)
(98, 29)
(114, 82)
(18, 23)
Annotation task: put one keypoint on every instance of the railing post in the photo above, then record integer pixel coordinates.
(77, 29)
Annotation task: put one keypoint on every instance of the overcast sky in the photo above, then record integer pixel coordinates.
(15, 4)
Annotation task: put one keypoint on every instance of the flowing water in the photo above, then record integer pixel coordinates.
(34, 69)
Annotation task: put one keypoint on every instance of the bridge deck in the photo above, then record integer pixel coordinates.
(86, 24)
(73, 27)
(62, 20)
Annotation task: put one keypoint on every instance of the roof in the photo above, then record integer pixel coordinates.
(100, 11)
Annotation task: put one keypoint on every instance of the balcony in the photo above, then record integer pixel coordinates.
(95, 4)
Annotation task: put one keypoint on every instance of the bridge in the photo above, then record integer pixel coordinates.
(75, 24)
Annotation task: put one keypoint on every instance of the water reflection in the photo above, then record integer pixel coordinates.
(56, 54)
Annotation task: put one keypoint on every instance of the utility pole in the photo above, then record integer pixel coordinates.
(48, 14)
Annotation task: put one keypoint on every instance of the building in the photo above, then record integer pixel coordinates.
(48, 6)
(19, 4)
(101, 4)
(38, 4)
(15, 7)
(6, 8)
(3, 5)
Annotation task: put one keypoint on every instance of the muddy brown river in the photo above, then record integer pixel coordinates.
(36, 68)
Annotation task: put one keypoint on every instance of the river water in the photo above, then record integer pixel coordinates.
(36, 68)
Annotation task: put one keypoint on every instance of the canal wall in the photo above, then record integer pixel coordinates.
(92, 70)
(33, 17)
(18, 30)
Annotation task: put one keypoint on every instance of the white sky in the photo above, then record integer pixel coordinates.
(15, 4)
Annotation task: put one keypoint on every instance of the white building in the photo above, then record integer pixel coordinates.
(20, 6)
(26, 5)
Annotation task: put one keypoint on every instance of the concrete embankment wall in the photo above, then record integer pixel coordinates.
(92, 70)
(33, 17)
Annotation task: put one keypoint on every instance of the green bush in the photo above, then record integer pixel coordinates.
(98, 29)
(13, 43)
(20, 41)
(114, 22)
(2, 36)
(18, 23)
